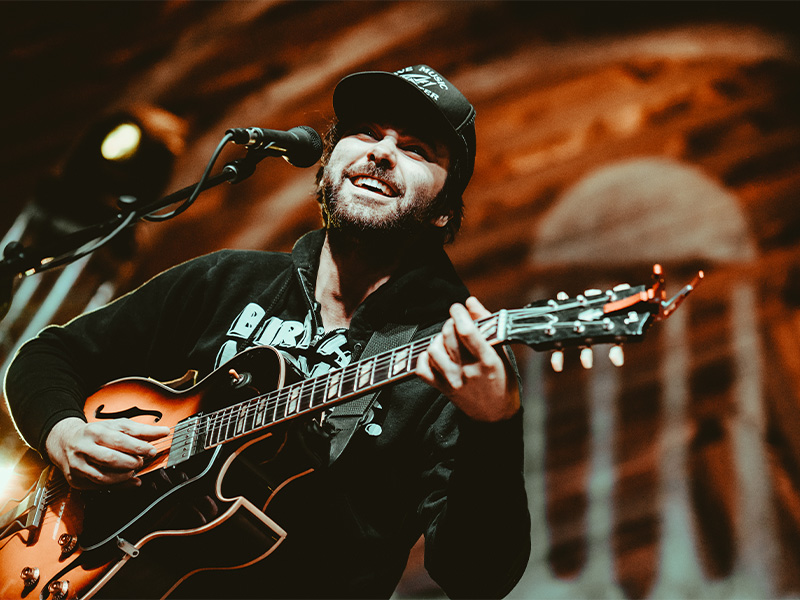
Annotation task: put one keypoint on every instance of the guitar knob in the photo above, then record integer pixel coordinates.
(239, 380)
(616, 355)
(30, 577)
(59, 589)
(557, 361)
(68, 544)
(587, 358)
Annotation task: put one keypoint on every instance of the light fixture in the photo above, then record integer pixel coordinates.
(122, 142)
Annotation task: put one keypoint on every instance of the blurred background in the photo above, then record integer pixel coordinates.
(611, 136)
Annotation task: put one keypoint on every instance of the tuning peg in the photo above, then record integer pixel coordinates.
(557, 361)
(587, 358)
(562, 296)
(616, 355)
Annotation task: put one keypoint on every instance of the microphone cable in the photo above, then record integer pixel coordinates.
(158, 218)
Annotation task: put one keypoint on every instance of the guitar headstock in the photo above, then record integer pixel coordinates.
(615, 316)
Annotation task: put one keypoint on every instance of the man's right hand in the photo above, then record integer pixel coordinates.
(95, 455)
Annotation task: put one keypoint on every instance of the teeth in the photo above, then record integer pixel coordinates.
(373, 185)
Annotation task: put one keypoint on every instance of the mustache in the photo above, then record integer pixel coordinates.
(370, 169)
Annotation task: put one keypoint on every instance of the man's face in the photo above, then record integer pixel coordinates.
(382, 177)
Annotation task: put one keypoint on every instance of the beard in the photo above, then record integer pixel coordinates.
(403, 219)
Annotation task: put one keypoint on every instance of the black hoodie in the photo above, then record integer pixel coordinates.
(430, 469)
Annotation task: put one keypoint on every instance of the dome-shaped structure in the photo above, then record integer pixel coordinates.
(647, 209)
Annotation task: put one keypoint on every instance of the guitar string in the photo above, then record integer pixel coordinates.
(221, 420)
(283, 398)
(274, 401)
(279, 400)
(218, 421)
(55, 492)
(347, 375)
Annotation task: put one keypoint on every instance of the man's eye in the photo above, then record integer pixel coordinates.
(418, 150)
(367, 131)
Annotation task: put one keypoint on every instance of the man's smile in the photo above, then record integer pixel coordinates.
(373, 185)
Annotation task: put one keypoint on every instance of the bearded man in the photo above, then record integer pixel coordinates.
(437, 454)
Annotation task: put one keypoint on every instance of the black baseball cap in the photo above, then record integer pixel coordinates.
(418, 94)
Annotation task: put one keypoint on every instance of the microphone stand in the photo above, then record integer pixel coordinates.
(18, 260)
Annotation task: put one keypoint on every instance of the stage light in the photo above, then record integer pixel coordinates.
(122, 142)
(127, 152)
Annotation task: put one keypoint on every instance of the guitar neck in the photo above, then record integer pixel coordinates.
(310, 395)
(615, 316)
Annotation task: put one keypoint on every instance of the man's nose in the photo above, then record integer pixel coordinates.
(384, 151)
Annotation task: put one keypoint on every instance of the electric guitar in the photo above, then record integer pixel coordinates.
(60, 543)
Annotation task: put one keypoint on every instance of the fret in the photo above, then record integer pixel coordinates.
(252, 408)
(281, 403)
(348, 379)
(382, 368)
(218, 425)
(228, 424)
(414, 353)
(260, 416)
(211, 429)
(365, 373)
(320, 391)
(271, 412)
(294, 395)
(277, 411)
(240, 418)
(306, 392)
(335, 379)
(400, 360)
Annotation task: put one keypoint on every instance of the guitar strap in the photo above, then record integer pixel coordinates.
(345, 418)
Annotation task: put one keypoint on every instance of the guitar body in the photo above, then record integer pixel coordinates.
(145, 542)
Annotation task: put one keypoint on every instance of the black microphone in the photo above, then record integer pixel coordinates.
(300, 146)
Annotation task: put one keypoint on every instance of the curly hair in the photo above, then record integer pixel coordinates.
(448, 202)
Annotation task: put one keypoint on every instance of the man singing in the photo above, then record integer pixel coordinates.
(438, 454)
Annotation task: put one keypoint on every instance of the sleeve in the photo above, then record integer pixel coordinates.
(137, 334)
(475, 511)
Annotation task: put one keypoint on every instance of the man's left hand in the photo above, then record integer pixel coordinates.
(462, 365)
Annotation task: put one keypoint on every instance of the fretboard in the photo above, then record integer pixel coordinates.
(310, 395)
